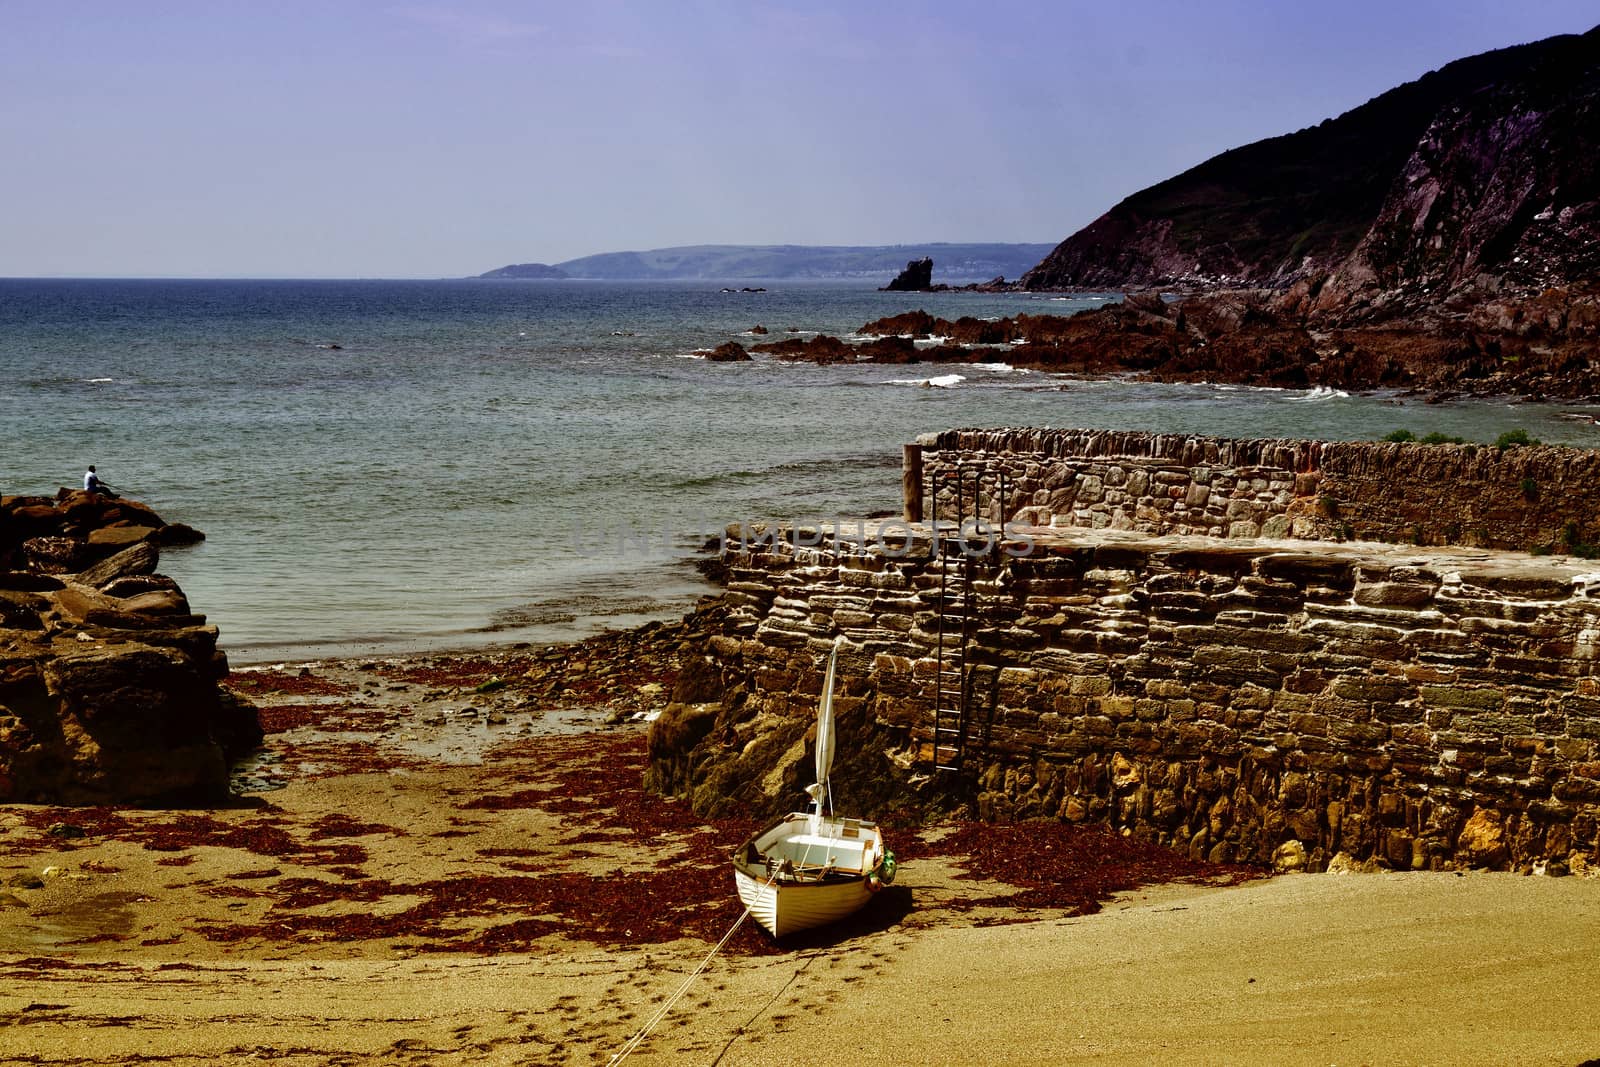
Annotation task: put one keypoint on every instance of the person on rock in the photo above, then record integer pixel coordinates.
(93, 484)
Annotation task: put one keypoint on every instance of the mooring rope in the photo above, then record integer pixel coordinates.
(661, 1013)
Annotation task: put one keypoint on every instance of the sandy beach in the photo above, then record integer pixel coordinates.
(454, 865)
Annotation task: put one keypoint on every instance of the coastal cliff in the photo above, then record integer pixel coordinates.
(1480, 177)
(108, 682)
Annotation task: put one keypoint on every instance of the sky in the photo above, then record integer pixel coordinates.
(344, 138)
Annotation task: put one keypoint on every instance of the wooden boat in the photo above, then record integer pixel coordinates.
(813, 867)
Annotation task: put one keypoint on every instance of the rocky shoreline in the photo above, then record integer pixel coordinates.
(1538, 345)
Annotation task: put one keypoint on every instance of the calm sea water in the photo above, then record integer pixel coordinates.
(483, 462)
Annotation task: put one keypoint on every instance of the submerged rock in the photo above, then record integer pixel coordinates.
(727, 352)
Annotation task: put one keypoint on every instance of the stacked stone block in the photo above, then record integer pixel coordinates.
(1515, 498)
(1407, 708)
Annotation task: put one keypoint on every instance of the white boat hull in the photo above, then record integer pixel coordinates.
(807, 871)
(789, 909)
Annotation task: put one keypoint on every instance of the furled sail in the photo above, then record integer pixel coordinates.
(819, 791)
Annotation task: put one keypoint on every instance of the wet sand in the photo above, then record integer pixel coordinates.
(459, 868)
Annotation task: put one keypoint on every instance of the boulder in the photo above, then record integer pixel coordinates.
(20, 611)
(54, 555)
(75, 602)
(29, 580)
(133, 584)
(141, 558)
(177, 533)
(137, 718)
(157, 602)
(32, 516)
(119, 537)
(1289, 857)
(1482, 842)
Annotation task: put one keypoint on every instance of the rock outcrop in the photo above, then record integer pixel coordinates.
(824, 349)
(1501, 194)
(917, 276)
(108, 681)
(727, 352)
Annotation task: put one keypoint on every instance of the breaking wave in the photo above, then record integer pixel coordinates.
(944, 381)
(1320, 392)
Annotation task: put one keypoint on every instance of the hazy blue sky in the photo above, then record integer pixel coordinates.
(405, 139)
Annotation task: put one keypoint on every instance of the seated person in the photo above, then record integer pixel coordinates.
(93, 484)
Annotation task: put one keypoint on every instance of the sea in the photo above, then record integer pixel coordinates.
(391, 467)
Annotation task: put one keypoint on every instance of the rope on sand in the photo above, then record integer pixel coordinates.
(661, 1013)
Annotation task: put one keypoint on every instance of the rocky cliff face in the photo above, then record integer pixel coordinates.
(108, 682)
(1480, 175)
(1501, 193)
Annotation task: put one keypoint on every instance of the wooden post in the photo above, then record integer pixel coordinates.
(911, 482)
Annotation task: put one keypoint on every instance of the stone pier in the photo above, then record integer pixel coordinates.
(1243, 698)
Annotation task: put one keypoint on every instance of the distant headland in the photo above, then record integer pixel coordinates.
(878, 263)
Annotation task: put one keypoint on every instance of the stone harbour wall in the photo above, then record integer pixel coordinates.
(1239, 700)
(1528, 498)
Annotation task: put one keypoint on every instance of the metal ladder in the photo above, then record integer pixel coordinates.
(954, 689)
(958, 608)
